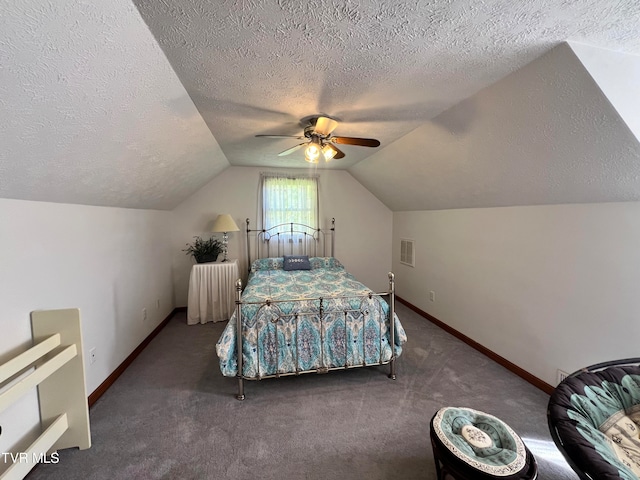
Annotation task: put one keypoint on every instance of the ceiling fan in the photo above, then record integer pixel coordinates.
(320, 141)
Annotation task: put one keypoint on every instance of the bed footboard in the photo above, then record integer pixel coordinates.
(58, 372)
(320, 313)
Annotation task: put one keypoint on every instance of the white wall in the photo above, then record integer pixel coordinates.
(363, 223)
(546, 287)
(109, 262)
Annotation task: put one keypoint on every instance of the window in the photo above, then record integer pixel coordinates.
(289, 198)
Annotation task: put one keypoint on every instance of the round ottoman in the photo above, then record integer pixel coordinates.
(468, 444)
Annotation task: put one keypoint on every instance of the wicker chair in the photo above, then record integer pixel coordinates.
(594, 419)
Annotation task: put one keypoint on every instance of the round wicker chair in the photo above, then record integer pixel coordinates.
(594, 419)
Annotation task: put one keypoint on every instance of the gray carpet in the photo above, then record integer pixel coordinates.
(172, 415)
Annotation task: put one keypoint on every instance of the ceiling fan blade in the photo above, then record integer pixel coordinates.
(324, 126)
(291, 150)
(299, 137)
(362, 142)
(340, 153)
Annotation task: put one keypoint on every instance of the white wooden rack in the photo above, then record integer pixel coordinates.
(57, 370)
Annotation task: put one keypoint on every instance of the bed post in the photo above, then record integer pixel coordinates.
(240, 395)
(248, 248)
(333, 237)
(392, 325)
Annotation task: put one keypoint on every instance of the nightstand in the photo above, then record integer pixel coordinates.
(211, 292)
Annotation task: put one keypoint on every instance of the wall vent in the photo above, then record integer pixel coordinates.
(562, 375)
(407, 252)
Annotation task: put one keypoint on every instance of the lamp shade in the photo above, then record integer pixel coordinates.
(224, 223)
(312, 152)
(328, 151)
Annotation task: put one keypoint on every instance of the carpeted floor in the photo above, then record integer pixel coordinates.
(172, 415)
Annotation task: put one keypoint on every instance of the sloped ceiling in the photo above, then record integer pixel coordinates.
(618, 76)
(545, 134)
(93, 113)
(381, 67)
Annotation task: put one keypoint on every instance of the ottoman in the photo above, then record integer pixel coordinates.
(469, 444)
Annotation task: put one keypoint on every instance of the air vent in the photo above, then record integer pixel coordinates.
(562, 375)
(407, 252)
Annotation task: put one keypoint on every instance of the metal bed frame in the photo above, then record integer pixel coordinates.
(309, 237)
(308, 240)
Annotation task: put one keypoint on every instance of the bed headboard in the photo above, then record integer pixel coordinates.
(290, 239)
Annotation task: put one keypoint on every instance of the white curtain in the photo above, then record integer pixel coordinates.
(289, 198)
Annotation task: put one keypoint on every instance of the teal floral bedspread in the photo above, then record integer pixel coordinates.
(296, 331)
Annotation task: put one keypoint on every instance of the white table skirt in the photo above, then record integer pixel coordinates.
(211, 292)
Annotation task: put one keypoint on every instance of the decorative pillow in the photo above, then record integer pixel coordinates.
(277, 263)
(325, 262)
(296, 262)
(273, 263)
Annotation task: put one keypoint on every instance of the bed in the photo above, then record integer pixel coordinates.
(306, 314)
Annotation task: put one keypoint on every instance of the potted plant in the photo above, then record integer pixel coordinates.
(204, 250)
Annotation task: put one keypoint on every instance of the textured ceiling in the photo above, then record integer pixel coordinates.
(91, 112)
(618, 75)
(545, 134)
(381, 67)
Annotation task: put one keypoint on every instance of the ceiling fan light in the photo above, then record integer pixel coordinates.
(328, 152)
(312, 153)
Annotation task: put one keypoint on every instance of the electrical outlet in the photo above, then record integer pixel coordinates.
(432, 296)
(144, 314)
(92, 356)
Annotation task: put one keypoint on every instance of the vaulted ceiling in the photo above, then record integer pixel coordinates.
(547, 133)
(139, 104)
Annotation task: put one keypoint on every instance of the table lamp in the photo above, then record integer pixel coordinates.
(224, 223)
